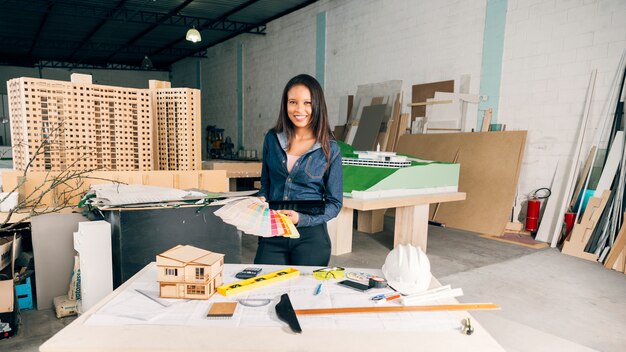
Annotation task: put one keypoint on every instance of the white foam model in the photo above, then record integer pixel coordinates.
(93, 243)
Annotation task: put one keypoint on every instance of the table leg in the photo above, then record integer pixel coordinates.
(340, 232)
(370, 221)
(411, 226)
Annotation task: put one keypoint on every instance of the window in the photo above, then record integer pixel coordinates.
(171, 272)
(195, 289)
(199, 273)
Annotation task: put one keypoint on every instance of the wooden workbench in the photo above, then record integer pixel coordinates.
(273, 335)
(234, 169)
(411, 218)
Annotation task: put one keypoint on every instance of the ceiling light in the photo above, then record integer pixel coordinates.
(193, 35)
(146, 63)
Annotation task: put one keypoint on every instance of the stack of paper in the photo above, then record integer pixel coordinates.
(254, 217)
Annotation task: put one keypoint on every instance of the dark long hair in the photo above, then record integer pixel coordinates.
(319, 113)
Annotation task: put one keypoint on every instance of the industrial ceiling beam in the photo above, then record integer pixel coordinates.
(202, 50)
(42, 23)
(108, 66)
(150, 28)
(127, 15)
(95, 29)
(207, 25)
(22, 42)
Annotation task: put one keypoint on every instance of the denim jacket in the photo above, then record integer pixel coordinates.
(308, 179)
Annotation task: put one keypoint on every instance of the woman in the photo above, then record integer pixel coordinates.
(301, 161)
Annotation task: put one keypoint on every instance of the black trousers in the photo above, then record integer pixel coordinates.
(312, 248)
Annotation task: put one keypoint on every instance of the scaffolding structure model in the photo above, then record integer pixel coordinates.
(59, 125)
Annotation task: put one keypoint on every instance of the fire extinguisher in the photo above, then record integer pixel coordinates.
(533, 209)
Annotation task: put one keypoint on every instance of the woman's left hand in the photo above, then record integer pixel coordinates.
(293, 215)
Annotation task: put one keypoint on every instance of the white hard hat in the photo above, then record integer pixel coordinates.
(407, 269)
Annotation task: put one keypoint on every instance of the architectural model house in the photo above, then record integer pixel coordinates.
(189, 272)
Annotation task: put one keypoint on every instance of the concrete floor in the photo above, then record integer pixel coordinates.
(550, 302)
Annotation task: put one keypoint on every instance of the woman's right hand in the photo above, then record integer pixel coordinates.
(262, 198)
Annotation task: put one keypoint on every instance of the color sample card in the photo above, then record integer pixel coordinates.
(254, 217)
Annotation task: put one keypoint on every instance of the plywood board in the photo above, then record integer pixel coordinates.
(517, 239)
(369, 126)
(421, 92)
(391, 126)
(578, 239)
(618, 246)
(370, 94)
(490, 166)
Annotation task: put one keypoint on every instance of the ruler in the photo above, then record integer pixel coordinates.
(466, 306)
(257, 282)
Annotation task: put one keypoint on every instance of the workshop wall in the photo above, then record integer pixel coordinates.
(367, 42)
(550, 48)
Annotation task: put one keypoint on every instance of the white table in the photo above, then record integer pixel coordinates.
(274, 337)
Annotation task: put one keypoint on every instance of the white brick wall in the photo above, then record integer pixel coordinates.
(368, 41)
(550, 48)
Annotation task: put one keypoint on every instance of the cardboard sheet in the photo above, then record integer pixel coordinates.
(369, 126)
(421, 92)
(490, 167)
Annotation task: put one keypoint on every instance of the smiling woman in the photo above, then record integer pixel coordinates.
(301, 161)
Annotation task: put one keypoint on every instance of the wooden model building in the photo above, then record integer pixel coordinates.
(189, 272)
(176, 127)
(80, 125)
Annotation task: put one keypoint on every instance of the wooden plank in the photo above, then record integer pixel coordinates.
(487, 120)
(490, 164)
(421, 92)
(384, 203)
(340, 232)
(371, 221)
(377, 101)
(431, 308)
(412, 226)
(430, 102)
(574, 165)
(618, 246)
(391, 125)
(401, 130)
(575, 245)
(619, 263)
(369, 126)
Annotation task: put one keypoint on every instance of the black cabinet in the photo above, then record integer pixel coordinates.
(138, 235)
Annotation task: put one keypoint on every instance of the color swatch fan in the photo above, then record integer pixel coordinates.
(254, 217)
